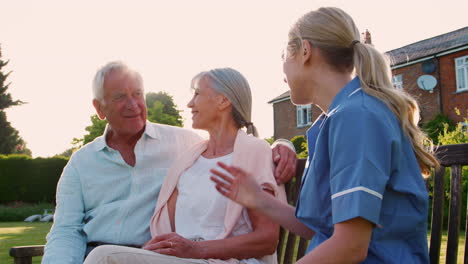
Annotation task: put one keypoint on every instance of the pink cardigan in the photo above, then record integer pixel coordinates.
(250, 153)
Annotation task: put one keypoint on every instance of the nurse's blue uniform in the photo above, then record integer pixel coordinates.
(361, 164)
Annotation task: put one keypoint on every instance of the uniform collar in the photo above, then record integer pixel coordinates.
(150, 131)
(352, 87)
(312, 133)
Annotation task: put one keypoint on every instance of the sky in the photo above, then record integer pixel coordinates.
(54, 48)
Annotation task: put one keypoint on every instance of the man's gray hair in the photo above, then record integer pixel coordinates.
(235, 87)
(98, 81)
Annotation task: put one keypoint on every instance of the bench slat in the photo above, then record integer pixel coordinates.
(290, 245)
(466, 236)
(303, 243)
(454, 214)
(437, 215)
(280, 248)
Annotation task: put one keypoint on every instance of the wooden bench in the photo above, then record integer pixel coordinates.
(23, 255)
(292, 248)
(454, 157)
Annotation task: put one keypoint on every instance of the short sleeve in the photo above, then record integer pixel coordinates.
(360, 149)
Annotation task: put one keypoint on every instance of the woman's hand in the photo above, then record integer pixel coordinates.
(174, 245)
(241, 188)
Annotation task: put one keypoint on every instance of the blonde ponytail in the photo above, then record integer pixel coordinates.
(373, 69)
(333, 31)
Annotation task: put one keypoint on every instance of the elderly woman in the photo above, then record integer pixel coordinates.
(192, 222)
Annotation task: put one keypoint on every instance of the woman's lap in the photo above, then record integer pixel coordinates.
(110, 254)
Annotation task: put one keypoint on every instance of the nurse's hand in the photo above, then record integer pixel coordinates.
(174, 245)
(241, 187)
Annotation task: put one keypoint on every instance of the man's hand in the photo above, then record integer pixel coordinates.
(285, 159)
(174, 245)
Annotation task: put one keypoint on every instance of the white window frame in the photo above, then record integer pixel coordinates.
(397, 81)
(304, 115)
(461, 73)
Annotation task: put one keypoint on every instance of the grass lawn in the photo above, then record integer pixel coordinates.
(21, 234)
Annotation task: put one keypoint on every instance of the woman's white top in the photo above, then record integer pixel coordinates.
(200, 208)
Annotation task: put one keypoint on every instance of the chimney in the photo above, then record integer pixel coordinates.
(367, 37)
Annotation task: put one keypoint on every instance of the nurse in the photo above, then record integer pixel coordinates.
(363, 197)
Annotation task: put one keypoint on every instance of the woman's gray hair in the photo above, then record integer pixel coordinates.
(98, 81)
(235, 87)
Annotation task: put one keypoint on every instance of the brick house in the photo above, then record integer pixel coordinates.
(434, 71)
(290, 120)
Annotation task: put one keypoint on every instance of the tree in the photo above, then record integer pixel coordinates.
(10, 140)
(161, 109)
(94, 130)
(67, 153)
(436, 126)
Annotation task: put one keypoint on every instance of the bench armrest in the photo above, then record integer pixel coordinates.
(27, 251)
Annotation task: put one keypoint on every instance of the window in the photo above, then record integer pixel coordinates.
(398, 81)
(461, 71)
(304, 115)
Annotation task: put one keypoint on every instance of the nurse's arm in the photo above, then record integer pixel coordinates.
(348, 244)
(283, 214)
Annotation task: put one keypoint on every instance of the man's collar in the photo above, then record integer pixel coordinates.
(100, 142)
(150, 130)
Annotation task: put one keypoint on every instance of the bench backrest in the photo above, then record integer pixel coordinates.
(292, 247)
(455, 157)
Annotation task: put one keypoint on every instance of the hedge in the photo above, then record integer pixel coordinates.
(29, 180)
(12, 213)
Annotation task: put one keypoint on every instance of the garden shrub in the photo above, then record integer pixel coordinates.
(29, 180)
(435, 127)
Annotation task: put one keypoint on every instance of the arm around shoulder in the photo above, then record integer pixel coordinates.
(285, 159)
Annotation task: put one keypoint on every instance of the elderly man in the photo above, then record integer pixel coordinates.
(108, 190)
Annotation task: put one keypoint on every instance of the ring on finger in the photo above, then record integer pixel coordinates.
(170, 244)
